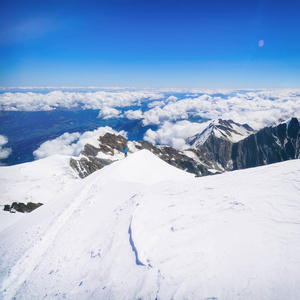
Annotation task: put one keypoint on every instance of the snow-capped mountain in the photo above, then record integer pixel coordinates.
(226, 129)
(142, 229)
(217, 151)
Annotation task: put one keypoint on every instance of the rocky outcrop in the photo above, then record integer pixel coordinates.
(88, 165)
(22, 207)
(89, 162)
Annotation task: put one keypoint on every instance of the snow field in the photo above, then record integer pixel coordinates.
(140, 228)
(37, 181)
(237, 243)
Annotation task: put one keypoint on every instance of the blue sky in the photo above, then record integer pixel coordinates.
(141, 43)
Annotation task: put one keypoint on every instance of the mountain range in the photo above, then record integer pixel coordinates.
(223, 146)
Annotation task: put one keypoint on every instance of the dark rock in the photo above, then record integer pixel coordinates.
(22, 207)
(293, 128)
(90, 150)
(87, 166)
(269, 145)
(32, 206)
(112, 142)
(215, 153)
(6, 207)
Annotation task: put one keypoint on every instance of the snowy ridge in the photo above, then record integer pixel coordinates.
(287, 122)
(140, 228)
(143, 167)
(200, 139)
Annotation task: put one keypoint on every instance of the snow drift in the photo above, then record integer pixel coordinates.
(141, 229)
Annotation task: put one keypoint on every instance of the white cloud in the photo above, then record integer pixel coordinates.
(62, 145)
(32, 101)
(258, 109)
(3, 140)
(108, 113)
(162, 103)
(156, 103)
(134, 114)
(4, 152)
(181, 109)
(72, 143)
(172, 99)
(174, 135)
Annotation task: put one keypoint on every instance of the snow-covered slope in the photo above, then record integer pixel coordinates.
(37, 181)
(145, 168)
(141, 229)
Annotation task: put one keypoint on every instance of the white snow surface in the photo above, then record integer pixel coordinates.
(141, 229)
(203, 136)
(37, 181)
(236, 134)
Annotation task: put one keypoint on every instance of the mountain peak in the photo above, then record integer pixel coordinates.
(226, 129)
(144, 167)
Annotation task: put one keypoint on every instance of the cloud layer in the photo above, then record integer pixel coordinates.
(31, 101)
(258, 109)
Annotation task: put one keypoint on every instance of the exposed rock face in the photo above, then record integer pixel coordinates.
(22, 207)
(95, 158)
(86, 166)
(215, 153)
(267, 146)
